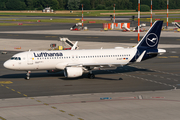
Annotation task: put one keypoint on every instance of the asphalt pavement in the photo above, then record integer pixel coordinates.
(146, 90)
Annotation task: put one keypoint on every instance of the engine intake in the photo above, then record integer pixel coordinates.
(72, 72)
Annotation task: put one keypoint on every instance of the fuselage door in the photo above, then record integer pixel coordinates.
(30, 59)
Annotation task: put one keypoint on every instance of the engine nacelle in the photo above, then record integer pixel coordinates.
(72, 72)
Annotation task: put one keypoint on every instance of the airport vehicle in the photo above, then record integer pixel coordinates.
(75, 62)
(76, 27)
(140, 26)
(176, 25)
(69, 43)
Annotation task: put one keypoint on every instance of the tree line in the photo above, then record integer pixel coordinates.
(88, 4)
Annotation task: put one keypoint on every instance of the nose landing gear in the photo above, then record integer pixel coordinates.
(28, 75)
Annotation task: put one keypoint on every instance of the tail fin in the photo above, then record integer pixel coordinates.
(151, 38)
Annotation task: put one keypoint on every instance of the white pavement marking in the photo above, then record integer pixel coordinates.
(143, 78)
(131, 107)
(158, 75)
(157, 71)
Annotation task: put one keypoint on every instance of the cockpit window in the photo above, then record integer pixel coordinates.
(15, 58)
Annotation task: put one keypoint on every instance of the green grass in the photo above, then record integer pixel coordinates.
(30, 14)
(60, 21)
(75, 13)
(97, 13)
(16, 24)
(86, 13)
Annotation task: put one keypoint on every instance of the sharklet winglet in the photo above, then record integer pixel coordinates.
(140, 57)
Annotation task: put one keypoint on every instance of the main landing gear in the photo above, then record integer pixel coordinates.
(91, 75)
(28, 75)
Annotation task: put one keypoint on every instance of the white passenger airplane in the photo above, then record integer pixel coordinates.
(75, 62)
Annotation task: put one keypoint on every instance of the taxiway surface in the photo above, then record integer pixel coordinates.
(47, 92)
(125, 79)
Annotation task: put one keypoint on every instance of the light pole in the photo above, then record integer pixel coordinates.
(82, 15)
(151, 12)
(114, 12)
(138, 20)
(167, 12)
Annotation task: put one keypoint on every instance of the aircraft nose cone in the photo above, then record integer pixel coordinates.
(6, 65)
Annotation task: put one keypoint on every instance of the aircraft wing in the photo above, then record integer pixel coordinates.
(97, 65)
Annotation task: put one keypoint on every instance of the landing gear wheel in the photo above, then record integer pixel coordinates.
(28, 75)
(91, 76)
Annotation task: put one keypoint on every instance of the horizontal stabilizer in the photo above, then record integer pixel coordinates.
(152, 53)
(160, 52)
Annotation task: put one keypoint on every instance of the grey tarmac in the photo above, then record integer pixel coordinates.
(147, 90)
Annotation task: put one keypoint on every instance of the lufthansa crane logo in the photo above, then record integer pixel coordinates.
(151, 39)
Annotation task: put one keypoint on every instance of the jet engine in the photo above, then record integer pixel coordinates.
(72, 72)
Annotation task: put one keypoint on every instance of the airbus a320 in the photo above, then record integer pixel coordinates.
(75, 62)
